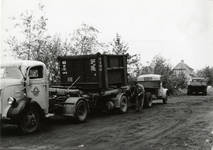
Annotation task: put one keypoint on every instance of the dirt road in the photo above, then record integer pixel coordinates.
(185, 123)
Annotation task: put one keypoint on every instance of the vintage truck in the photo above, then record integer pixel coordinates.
(88, 82)
(197, 85)
(154, 90)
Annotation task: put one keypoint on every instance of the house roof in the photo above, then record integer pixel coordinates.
(183, 66)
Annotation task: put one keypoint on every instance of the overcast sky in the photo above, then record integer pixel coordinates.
(178, 29)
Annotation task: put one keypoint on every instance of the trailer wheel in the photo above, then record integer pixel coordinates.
(30, 121)
(123, 104)
(81, 111)
(147, 100)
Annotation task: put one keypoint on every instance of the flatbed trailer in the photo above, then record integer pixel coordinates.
(100, 79)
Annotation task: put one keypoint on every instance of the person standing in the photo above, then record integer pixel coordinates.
(138, 94)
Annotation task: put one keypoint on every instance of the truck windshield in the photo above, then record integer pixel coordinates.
(10, 72)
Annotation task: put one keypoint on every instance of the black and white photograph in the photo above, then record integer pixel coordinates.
(106, 75)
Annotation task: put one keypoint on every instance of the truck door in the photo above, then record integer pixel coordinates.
(38, 86)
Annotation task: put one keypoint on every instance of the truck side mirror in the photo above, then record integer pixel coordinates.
(27, 81)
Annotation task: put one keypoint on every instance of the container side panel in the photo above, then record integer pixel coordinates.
(64, 71)
(105, 72)
(95, 71)
(115, 61)
(115, 77)
(116, 70)
(77, 70)
(90, 70)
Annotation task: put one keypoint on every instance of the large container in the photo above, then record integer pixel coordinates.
(96, 72)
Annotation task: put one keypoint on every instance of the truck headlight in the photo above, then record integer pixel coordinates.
(11, 100)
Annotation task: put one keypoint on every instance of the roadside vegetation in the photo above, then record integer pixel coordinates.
(38, 45)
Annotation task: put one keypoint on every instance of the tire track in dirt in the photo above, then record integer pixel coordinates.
(101, 135)
(151, 129)
(156, 132)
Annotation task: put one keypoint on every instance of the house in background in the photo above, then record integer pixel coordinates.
(184, 68)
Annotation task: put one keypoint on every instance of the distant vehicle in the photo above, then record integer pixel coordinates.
(197, 85)
(153, 87)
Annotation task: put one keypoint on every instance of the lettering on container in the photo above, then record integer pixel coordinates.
(64, 67)
(92, 65)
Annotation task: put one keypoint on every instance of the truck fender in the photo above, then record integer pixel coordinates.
(117, 103)
(165, 93)
(14, 112)
(73, 101)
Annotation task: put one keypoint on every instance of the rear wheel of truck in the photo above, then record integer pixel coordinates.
(147, 100)
(123, 104)
(30, 121)
(81, 111)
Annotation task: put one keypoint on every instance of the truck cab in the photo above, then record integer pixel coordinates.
(153, 86)
(24, 94)
(197, 85)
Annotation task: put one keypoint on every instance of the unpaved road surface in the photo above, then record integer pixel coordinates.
(185, 123)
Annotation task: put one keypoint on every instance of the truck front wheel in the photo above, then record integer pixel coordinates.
(123, 104)
(30, 121)
(81, 111)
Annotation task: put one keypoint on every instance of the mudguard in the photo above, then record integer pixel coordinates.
(164, 93)
(118, 100)
(70, 105)
(14, 112)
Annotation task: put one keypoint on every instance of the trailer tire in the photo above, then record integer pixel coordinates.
(81, 111)
(147, 100)
(30, 121)
(123, 104)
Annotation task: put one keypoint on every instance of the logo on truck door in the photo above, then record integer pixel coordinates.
(35, 91)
